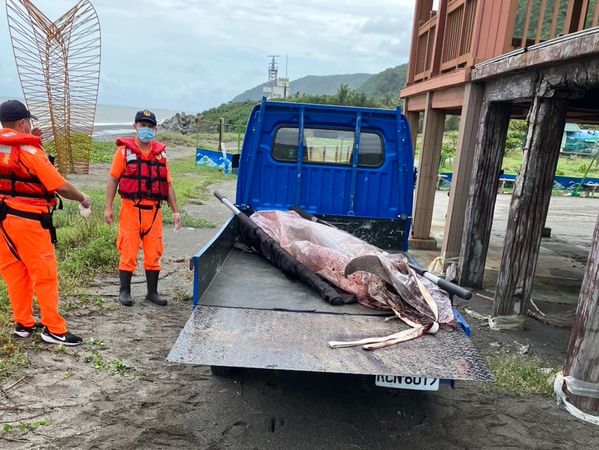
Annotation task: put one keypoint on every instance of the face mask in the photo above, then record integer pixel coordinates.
(146, 135)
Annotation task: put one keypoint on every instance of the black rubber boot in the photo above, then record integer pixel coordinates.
(125, 290)
(152, 280)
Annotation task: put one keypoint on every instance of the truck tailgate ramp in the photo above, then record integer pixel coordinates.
(286, 340)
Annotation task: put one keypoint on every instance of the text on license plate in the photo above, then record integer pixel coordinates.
(414, 383)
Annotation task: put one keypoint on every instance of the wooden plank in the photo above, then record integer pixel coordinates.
(584, 9)
(526, 25)
(556, 54)
(488, 156)
(569, 15)
(532, 192)
(413, 118)
(428, 169)
(596, 15)
(476, 31)
(541, 21)
(577, 10)
(414, 42)
(583, 351)
(515, 87)
(507, 24)
(416, 103)
(450, 98)
(462, 172)
(439, 37)
(450, 79)
(554, 18)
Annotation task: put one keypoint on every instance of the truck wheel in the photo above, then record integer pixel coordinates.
(221, 371)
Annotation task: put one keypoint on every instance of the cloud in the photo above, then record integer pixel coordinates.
(192, 54)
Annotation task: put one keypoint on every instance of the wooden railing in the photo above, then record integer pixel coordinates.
(457, 41)
(446, 41)
(456, 26)
(424, 51)
(540, 20)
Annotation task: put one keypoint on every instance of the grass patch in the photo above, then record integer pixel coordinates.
(117, 366)
(86, 247)
(25, 426)
(191, 182)
(521, 377)
(102, 152)
(12, 355)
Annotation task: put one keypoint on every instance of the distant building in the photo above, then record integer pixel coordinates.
(277, 88)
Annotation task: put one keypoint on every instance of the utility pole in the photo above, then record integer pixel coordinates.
(583, 350)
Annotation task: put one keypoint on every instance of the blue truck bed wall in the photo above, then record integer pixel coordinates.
(352, 166)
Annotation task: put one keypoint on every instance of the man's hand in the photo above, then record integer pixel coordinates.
(37, 132)
(109, 216)
(177, 221)
(86, 202)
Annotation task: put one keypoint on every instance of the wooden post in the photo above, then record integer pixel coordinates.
(583, 350)
(488, 156)
(532, 192)
(413, 117)
(421, 12)
(428, 170)
(462, 172)
(221, 130)
(439, 38)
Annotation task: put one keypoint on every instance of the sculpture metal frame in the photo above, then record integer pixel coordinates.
(59, 68)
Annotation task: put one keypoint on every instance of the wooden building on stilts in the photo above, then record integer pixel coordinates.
(489, 61)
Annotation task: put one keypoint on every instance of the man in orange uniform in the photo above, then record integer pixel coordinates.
(141, 172)
(28, 184)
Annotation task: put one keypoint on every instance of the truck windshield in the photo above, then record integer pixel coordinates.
(329, 146)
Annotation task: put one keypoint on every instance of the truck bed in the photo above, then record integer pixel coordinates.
(251, 315)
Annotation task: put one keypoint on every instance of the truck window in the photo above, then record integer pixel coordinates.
(328, 146)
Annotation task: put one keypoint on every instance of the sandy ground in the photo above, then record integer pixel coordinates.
(162, 405)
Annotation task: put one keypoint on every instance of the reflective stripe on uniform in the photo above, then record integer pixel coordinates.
(29, 149)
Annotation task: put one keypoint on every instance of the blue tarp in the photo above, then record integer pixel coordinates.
(558, 182)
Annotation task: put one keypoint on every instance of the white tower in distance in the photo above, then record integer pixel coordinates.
(276, 87)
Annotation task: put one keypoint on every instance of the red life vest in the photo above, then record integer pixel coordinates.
(143, 178)
(15, 179)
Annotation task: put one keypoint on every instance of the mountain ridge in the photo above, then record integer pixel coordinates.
(386, 82)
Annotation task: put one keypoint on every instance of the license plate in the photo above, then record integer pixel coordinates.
(414, 383)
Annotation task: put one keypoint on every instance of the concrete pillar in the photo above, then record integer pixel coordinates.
(488, 156)
(428, 170)
(462, 171)
(413, 117)
(532, 193)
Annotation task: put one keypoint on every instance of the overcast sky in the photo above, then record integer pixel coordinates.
(194, 54)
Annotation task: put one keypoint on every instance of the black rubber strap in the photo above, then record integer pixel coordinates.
(143, 234)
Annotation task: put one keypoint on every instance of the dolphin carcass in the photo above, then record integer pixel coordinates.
(379, 280)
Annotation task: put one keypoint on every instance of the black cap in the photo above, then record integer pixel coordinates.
(146, 116)
(13, 110)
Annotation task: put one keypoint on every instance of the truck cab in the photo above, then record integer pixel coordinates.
(351, 166)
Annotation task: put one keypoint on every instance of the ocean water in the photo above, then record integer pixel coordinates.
(112, 119)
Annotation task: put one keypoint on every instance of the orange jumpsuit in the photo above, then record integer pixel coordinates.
(36, 271)
(138, 226)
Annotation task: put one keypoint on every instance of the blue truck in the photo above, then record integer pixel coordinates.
(352, 167)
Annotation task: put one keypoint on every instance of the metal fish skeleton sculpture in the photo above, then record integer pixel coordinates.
(378, 279)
